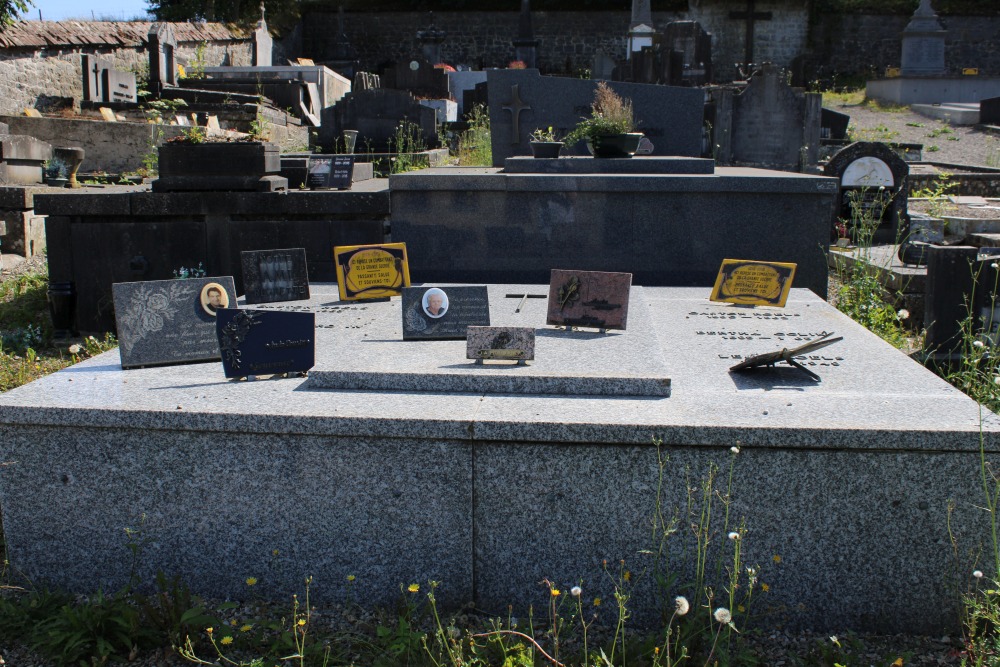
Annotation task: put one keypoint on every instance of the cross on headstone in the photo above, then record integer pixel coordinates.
(750, 16)
(515, 107)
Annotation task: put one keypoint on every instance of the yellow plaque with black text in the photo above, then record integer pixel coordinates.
(371, 271)
(749, 282)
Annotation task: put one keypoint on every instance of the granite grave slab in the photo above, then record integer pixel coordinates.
(597, 299)
(522, 100)
(170, 321)
(483, 491)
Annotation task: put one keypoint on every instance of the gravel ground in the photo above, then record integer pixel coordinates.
(963, 145)
(957, 144)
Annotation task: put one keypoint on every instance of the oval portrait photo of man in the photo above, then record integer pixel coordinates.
(213, 297)
(435, 302)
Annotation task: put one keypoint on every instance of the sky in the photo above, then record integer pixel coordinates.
(59, 10)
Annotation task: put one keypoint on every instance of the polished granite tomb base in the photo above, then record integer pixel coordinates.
(847, 481)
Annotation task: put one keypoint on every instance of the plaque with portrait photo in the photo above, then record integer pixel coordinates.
(443, 313)
(170, 321)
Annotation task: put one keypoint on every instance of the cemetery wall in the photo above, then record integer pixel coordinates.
(38, 76)
(568, 40)
(867, 44)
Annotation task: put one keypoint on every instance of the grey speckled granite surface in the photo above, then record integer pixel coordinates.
(848, 480)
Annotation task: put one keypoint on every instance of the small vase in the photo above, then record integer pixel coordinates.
(546, 149)
(615, 145)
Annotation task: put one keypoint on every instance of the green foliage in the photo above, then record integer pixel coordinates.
(546, 134)
(861, 295)
(609, 114)
(10, 10)
(474, 147)
(937, 194)
(847, 651)
(405, 143)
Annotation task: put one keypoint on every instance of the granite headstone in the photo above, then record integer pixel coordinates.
(873, 183)
(164, 322)
(522, 100)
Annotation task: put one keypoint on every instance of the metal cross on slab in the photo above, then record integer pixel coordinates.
(788, 356)
(525, 297)
(750, 16)
(515, 107)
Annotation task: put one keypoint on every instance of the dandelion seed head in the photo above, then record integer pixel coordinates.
(978, 574)
(734, 535)
(722, 615)
(575, 591)
(903, 314)
(734, 449)
(74, 349)
(681, 605)
(977, 343)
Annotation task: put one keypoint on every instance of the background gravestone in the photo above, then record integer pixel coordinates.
(522, 100)
(162, 45)
(863, 169)
(923, 43)
(375, 114)
(989, 111)
(93, 68)
(694, 46)
(769, 124)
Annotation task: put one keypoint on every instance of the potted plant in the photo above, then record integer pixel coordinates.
(610, 129)
(544, 143)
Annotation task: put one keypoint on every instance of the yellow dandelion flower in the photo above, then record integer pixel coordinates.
(776, 558)
(740, 608)
(275, 552)
(556, 592)
(351, 577)
(227, 640)
(246, 628)
(302, 622)
(233, 622)
(898, 662)
(209, 630)
(656, 650)
(628, 576)
(413, 588)
(251, 581)
(597, 602)
(765, 587)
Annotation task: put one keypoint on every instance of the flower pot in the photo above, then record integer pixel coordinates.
(615, 145)
(545, 149)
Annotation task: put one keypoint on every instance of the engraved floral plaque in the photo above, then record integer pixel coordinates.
(170, 321)
(266, 342)
(594, 299)
(444, 312)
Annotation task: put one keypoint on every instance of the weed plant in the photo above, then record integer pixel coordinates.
(406, 143)
(861, 295)
(474, 147)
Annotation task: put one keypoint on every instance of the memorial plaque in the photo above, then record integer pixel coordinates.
(331, 171)
(444, 312)
(108, 115)
(749, 282)
(371, 271)
(275, 275)
(163, 322)
(500, 343)
(265, 342)
(589, 299)
(119, 86)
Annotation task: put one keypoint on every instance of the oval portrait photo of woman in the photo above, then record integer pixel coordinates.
(435, 302)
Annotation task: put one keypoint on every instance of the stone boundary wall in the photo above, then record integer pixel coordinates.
(843, 44)
(37, 75)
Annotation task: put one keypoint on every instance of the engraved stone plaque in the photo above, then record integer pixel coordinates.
(500, 343)
(275, 275)
(589, 299)
(330, 171)
(170, 321)
(444, 312)
(265, 342)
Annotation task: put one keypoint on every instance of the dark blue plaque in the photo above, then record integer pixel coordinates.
(266, 342)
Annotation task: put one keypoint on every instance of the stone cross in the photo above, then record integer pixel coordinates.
(750, 16)
(515, 107)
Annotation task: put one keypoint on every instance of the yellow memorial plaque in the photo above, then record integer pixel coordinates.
(371, 271)
(32, 113)
(108, 115)
(891, 72)
(753, 283)
(970, 71)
